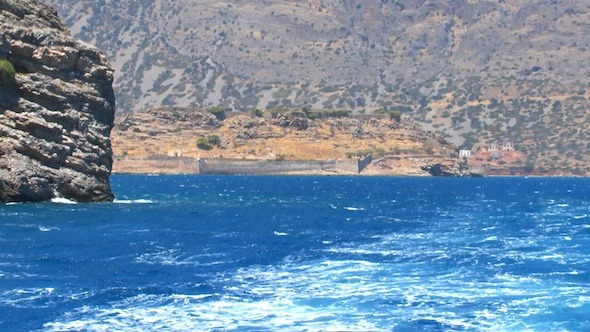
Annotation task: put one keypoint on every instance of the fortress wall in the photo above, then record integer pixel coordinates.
(349, 166)
(155, 164)
(363, 163)
(245, 166)
(187, 165)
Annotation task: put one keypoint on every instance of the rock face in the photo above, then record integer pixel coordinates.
(454, 168)
(449, 169)
(56, 117)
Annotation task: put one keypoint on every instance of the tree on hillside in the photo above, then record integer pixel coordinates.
(395, 115)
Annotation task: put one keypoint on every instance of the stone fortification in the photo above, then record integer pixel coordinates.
(245, 166)
(56, 112)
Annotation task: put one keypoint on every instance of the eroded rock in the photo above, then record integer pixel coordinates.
(55, 121)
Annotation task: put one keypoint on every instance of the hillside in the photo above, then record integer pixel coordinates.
(159, 140)
(475, 71)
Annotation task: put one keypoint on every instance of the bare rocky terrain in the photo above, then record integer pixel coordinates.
(474, 71)
(166, 140)
(56, 109)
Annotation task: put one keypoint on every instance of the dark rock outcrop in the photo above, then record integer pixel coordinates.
(55, 120)
(453, 168)
(440, 169)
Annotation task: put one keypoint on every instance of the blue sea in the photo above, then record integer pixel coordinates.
(302, 253)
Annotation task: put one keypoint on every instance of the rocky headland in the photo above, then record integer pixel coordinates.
(56, 109)
(172, 139)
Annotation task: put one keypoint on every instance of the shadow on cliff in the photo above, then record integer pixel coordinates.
(9, 97)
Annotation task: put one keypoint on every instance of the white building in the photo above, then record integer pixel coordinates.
(464, 153)
(493, 147)
(508, 146)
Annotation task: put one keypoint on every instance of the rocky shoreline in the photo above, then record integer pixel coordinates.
(187, 165)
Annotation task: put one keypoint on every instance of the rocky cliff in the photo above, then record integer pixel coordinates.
(56, 109)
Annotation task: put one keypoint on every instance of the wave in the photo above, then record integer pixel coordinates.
(133, 201)
(178, 312)
(329, 294)
(350, 295)
(252, 303)
(175, 257)
(61, 200)
(41, 228)
(48, 229)
(164, 257)
(364, 251)
(350, 208)
(26, 297)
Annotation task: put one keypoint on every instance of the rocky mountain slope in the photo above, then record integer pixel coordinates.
(475, 71)
(56, 109)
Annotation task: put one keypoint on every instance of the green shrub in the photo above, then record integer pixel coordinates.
(7, 73)
(203, 144)
(309, 113)
(338, 114)
(218, 112)
(257, 113)
(380, 111)
(395, 115)
(214, 140)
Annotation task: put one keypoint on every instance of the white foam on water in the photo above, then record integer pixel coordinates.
(514, 279)
(61, 200)
(365, 251)
(24, 297)
(452, 323)
(48, 229)
(553, 257)
(176, 257)
(170, 257)
(32, 226)
(328, 295)
(204, 313)
(280, 233)
(133, 201)
(350, 208)
(268, 298)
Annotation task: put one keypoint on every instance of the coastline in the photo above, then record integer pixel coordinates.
(163, 165)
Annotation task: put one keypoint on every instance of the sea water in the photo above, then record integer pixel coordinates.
(302, 253)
